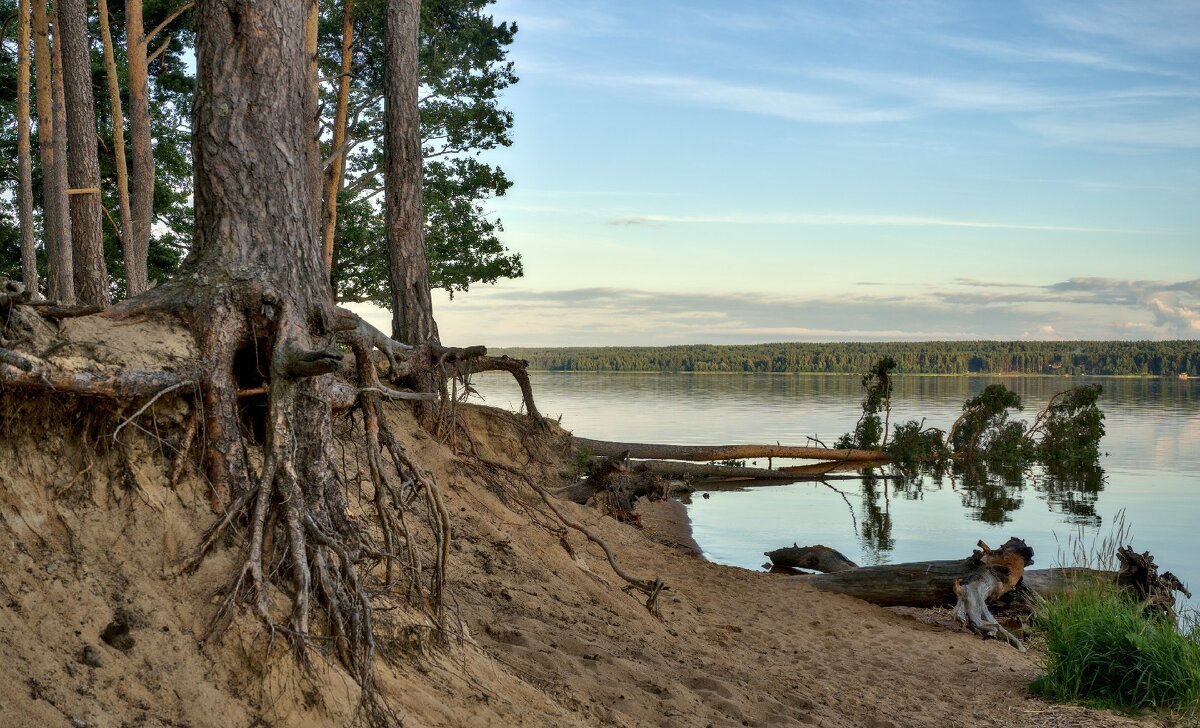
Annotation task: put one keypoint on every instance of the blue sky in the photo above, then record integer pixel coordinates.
(718, 172)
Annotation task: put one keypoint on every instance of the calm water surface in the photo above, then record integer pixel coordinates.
(1150, 460)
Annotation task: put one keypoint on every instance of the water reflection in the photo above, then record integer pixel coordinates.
(1148, 464)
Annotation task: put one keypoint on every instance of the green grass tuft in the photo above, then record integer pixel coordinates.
(1102, 650)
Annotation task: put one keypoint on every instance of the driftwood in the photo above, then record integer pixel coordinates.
(703, 453)
(817, 558)
(967, 583)
(615, 483)
(987, 576)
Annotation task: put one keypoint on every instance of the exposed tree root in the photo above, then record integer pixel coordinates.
(302, 548)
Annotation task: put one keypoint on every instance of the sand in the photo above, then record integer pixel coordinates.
(544, 633)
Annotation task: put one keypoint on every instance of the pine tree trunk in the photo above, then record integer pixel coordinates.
(337, 166)
(135, 268)
(60, 278)
(141, 156)
(29, 272)
(412, 307)
(83, 168)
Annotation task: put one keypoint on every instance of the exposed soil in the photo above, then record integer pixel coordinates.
(98, 629)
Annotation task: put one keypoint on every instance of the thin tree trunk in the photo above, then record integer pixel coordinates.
(337, 166)
(83, 168)
(66, 247)
(412, 307)
(141, 153)
(312, 25)
(60, 280)
(132, 268)
(29, 272)
(141, 156)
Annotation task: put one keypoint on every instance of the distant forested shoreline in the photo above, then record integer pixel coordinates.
(1106, 358)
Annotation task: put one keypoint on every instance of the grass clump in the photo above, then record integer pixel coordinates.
(1103, 650)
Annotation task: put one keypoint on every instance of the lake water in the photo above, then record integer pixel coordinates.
(1150, 460)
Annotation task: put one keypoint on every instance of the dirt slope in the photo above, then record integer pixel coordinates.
(92, 535)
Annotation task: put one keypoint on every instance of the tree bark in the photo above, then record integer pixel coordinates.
(817, 558)
(29, 271)
(337, 166)
(56, 220)
(723, 452)
(412, 306)
(132, 261)
(312, 26)
(141, 156)
(83, 167)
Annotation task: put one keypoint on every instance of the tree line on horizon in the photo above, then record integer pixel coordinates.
(1107, 358)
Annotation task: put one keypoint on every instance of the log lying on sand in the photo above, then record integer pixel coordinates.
(703, 453)
(817, 558)
(967, 583)
(931, 583)
(915, 584)
(970, 584)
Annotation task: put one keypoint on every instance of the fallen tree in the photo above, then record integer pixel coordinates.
(931, 583)
(987, 576)
(704, 453)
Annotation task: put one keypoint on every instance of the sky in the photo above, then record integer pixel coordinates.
(717, 172)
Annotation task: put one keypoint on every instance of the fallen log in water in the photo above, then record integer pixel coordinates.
(677, 469)
(702, 453)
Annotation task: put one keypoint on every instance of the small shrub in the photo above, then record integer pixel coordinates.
(1102, 650)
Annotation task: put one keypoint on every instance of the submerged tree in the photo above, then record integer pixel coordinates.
(870, 432)
(984, 421)
(1070, 428)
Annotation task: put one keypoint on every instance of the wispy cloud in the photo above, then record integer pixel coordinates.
(1175, 131)
(762, 100)
(855, 220)
(1156, 27)
(1043, 54)
(1078, 308)
(983, 94)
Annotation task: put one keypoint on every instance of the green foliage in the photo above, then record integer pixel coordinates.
(1071, 428)
(1149, 358)
(580, 464)
(463, 70)
(869, 431)
(913, 445)
(1102, 650)
(170, 87)
(984, 419)
(729, 463)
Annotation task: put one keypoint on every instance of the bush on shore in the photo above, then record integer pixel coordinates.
(1104, 651)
